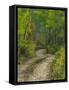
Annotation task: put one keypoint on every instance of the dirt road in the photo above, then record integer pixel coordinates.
(37, 68)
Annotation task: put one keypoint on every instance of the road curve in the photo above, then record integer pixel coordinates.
(37, 68)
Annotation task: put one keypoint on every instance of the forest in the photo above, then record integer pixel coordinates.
(42, 29)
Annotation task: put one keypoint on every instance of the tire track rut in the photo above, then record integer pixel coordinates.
(37, 69)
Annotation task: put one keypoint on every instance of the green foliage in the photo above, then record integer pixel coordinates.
(58, 65)
(51, 49)
(29, 48)
(40, 28)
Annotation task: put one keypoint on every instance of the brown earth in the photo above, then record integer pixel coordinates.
(37, 68)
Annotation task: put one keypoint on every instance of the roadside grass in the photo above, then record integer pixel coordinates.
(58, 65)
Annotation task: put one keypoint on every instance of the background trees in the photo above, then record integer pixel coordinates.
(40, 29)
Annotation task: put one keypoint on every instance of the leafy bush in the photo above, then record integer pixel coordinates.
(51, 49)
(58, 65)
(28, 49)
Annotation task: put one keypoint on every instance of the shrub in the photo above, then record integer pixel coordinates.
(58, 65)
(28, 49)
(51, 49)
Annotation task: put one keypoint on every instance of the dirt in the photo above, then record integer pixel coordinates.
(37, 68)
